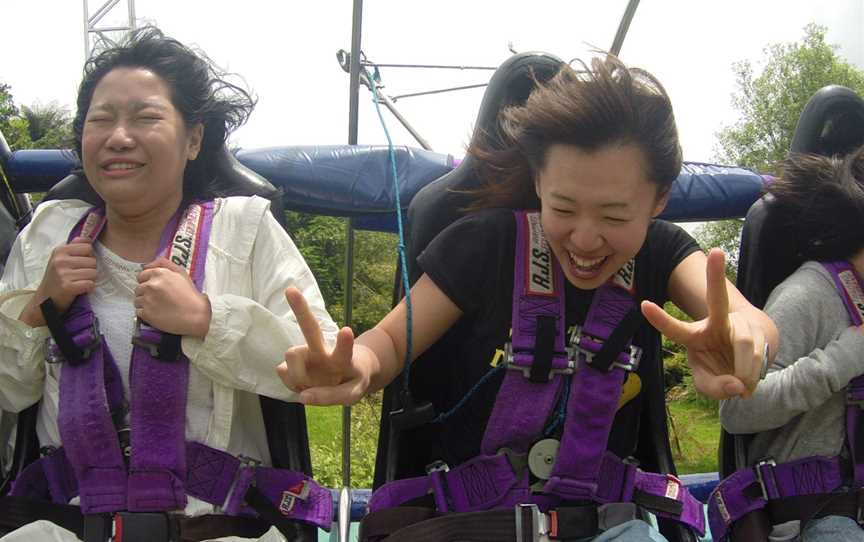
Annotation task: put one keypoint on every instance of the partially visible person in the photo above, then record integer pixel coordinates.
(800, 410)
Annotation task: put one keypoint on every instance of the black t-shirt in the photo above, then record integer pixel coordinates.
(472, 263)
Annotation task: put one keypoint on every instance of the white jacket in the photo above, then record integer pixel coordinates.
(250, 262)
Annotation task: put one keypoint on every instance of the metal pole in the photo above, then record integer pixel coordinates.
(388, 103)
(623, 26)
(132, 23)
(353, 113)
(86, 31)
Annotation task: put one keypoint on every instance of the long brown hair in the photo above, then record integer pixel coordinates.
(590, 108)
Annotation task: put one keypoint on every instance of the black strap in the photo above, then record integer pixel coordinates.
(658, 503)
(64, 342)
(170, 347)
(259, 502)
(575, 522)
(618, 340)
(15, 512)
(492, 526)
(544, 349)
(381, 524)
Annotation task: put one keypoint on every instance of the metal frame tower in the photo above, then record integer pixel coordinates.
(91, 22)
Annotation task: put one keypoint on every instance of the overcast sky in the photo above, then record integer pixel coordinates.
(286, 52)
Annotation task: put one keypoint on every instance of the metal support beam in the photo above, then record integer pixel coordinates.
(91, 22)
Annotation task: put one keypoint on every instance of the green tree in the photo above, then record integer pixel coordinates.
(769, 103)
(48, 126)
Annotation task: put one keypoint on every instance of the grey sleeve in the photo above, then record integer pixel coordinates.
(820, 352)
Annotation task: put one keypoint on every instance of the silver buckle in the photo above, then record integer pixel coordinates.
(574, 351)
(53, 354)
(759, 478)
(526, 371)
(539, 528)
(138, 340)
(437, 466)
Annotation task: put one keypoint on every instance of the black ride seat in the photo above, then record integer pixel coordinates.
(403, 454)
(832, 124)
(285, 423)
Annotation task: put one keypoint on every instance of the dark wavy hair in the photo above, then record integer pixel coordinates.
(590, 108)
(819, 202)
(199, 91)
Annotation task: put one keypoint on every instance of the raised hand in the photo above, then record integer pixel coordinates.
(322, 377)
(724, 350)
(166, 298)
(71, 272)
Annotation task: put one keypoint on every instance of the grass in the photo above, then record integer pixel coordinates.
(325, 442)
(694, 430)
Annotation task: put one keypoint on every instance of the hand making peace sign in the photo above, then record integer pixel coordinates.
(321, 376)
(725, 350)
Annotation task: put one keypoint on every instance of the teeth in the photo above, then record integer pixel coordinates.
(121, 165)
(585, 263)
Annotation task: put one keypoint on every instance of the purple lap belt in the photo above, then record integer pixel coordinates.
(750, 489)
(213, 476)
(162, 467)
(541, 365)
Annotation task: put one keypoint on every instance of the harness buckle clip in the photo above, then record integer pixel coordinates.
(437, 466)
(163, 346)
(510, 362)
(532, 525)
(577, 351)
(54, 355)
(760, 477)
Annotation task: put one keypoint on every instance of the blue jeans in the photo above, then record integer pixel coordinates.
(632, 531)
(832, 528)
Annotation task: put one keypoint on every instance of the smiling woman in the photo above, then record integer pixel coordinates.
(166, 312)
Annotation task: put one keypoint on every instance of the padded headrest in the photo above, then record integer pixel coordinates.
(832, 123)
(437, 205)
(233, 179)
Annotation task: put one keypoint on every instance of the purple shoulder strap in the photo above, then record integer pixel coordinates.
(851, 289)
(91, 394)
(523, 406)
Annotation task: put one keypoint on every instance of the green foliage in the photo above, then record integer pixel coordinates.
(37, 127)
(321, 240)
(694, 431)
(724, 234)
(325, 442)
(771, 102)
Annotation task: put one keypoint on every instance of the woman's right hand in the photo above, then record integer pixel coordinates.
(319, 375)
(71, 272)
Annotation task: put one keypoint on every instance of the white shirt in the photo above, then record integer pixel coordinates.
(250, 262)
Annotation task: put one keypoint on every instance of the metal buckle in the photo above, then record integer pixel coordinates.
(53, 355)
(538, 531)
(573, 352)
(760, 479)
(509, 362)
(139, 340)
(437, 466)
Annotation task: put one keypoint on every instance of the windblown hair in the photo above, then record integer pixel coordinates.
(591, 108)
(819, 202)
(199, 91)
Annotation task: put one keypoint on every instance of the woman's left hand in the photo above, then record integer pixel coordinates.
(167, 299)
(725, 350)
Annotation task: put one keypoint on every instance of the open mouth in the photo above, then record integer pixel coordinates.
(585, 267)
(121, 166)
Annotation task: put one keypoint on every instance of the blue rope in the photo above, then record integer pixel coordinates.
(562, 410)
(401, 248)
(489, 374)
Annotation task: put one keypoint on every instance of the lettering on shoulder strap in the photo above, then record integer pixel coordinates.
(184, 245)
(540, 264)
(626, 276)
(853, 290)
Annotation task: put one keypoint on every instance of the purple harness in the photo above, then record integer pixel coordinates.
(162, 467)
(597, 361)
(750, 489)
